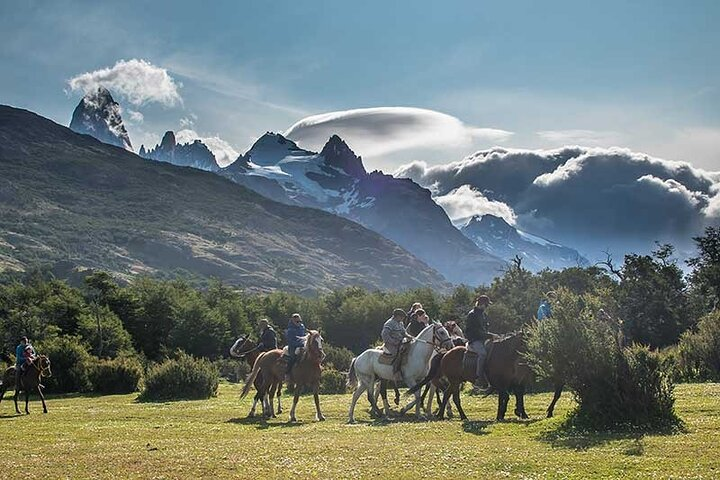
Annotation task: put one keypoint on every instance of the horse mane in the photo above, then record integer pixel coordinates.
(307, 338)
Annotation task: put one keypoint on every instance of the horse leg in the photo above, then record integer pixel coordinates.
(358, 391)
(318, 414)
(27, 401)
(42, 399)
(397, 395)
(294, 405)
(428, 403)
(279, 391)
(256, 399)
(520, 403)
(556, 397)
(374, 410)
(383, 394)
(444, 402)
(456, 401)
(271, 398)
(17, 392)
(503, 398)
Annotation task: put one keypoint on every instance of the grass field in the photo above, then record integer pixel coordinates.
(117, 437)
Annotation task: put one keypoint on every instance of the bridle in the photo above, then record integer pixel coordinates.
(436, 341)
(245, 341)
(42, 365)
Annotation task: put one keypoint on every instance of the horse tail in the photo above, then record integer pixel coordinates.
(434, 368)
(352, 375)
(251, 378)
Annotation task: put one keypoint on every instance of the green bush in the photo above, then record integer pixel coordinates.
(332, 381)
(612, 385)
(70, 362)
(111, 339)
(181, 378)
(699, 352)
(338, 358)
(119, 375)
(232, 369)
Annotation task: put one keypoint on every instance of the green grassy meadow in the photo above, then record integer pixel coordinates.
(117, 437)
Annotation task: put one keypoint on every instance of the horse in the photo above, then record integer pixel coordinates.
(366, 367)
(29, 380)
(503, 367)
(244, 348)
(305, 373)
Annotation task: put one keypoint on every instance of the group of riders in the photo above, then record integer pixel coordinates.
(403, 326)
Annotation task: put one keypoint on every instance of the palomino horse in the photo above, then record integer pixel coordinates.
(366, 368)
(29, 380)
(305, 373)
(245, 348)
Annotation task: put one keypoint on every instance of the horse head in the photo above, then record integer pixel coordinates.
(314, 344)
(241, 346)
(440, 336)
(43, 365)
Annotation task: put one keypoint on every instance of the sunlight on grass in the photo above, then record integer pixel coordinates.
(115, 436)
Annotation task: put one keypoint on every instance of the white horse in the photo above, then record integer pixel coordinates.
(366, 368)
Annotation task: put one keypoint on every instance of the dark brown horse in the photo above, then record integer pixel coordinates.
(29, 381)
(304, 374)
(504, 367)
(244, 348)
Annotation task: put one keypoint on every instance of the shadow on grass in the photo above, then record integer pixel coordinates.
(476, 427)
(566, 435)
(261, 423)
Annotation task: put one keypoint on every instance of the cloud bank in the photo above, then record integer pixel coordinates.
(224, 153)
(383, 130)
(588, 198)
(137, 81)
(464, 202)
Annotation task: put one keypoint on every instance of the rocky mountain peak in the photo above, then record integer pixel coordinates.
(338, 154)
(168, 141)
(195, 154)
(99, 116)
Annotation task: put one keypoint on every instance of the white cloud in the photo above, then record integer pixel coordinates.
(135, 118)
(224, 153)
(189, 121)
(464, 202)
(137, 81)
(384, 130)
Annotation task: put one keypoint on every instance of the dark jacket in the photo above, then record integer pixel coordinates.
(293, 334)
(268, 340)
(477, 325)
(415, 327)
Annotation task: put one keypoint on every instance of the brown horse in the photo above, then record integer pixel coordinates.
(504, 368)
(244, 348)
(305, 373)
(29, 381)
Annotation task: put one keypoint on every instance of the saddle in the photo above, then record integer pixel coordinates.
(396, 360)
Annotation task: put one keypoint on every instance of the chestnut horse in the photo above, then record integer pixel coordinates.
(246, 349)
(305, 373)
(29, 381)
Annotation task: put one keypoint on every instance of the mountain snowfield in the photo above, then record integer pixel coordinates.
(335, 180)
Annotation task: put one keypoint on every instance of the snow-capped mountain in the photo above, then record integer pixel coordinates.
(195, 154)
(335, 180)
(493, 234)
(98, 115)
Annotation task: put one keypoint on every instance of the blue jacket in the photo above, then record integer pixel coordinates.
(544, 310)
(293, 334)
(19, 355)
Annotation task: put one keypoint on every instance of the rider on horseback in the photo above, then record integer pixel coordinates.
(24, 355)
(268, 338)
(477, 331)
(293, 335)
(393, 334)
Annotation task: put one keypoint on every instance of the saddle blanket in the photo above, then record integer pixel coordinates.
(469, 365)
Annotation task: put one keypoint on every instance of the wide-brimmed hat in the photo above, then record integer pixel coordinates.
(484, 299)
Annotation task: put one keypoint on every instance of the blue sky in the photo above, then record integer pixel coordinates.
(641, 74)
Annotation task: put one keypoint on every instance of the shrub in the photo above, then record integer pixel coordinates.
(115, 339)
(233, 370)
(699, 351)
(612, 385)
(338, 358)
(119, 375)
(70, 364)
(332, 381)
(184, 377)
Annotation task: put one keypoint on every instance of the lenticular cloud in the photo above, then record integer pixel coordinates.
(137, 81)
(382, 130)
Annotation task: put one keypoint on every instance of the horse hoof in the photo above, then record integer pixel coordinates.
(320, 418)
(351, 421)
